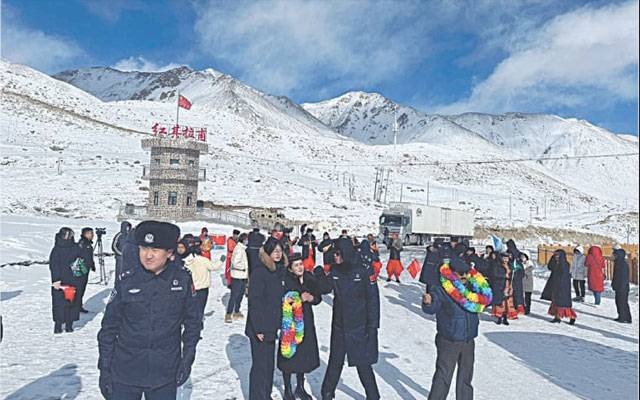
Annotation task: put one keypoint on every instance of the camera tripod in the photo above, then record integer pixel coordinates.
(104, 277)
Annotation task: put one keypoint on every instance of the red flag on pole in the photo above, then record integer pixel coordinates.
(414, 268)
(184, 102)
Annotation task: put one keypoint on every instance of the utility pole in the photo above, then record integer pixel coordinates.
(510, 209)
(428, 192)
(375, 185)
(59, 163)
(545, 206)
(386, 186)
(395, 135)
(401, 187)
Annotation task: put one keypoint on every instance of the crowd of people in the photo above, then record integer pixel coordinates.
(154, 316)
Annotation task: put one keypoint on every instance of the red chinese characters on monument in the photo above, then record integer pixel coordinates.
(178, 131)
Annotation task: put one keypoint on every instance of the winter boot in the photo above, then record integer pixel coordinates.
(228, 318)
(505, 321)
(57, 328)
(398, 280)
(389, 279)
(555, 321)
(82, 310)
(237, 316)
(68, 327)
(499, 321)
(300, 392)
(572, 321)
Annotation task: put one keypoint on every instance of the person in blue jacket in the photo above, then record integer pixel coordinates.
(355, 320)
(620, 284)
(152, 322)
(456, 330)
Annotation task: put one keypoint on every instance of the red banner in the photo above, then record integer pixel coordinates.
(184, 102)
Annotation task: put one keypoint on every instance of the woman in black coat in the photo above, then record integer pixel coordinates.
(307, 356)
(62, 258)
(558, 289)
(265, 317)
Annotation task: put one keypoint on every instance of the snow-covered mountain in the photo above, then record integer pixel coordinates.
(205, 89)
(70, 153)
(369, 118)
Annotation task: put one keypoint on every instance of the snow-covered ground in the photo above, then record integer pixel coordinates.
(531, 359)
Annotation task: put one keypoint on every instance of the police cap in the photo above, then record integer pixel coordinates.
(156, 234)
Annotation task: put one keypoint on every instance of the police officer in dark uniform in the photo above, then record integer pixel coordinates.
(356, 317)
(152, 322)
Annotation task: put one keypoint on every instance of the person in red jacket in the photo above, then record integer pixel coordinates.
(231, 245)
(595, 272)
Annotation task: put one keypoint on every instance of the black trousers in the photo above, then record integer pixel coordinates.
(449, 355)
(579, 287)
(622, 305)
(527, 302)
(262, 367)
(82, 288)
(235, 298)
(201, 298)
(337, 356)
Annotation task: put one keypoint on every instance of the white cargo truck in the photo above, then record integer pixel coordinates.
(421, 224)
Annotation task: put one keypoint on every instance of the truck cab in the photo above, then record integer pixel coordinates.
(395, 221)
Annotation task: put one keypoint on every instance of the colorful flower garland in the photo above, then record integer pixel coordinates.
(474, 300)
(292, 331)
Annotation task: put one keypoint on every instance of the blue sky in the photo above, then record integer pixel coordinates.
(571, 58)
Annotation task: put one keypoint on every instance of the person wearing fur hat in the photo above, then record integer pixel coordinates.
(265, 317)
(355, 319)
(306, 357)
(579, 273)
(151, 325)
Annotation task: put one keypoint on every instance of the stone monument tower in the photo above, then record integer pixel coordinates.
(173, 173)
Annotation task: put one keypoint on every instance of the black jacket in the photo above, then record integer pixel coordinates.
(430, 274)
(325, 249)
(356, 305)
(85, 247)
(151, 324)
(308, 243)
(61, 258)
(620, 280)
(265, 298)
(558, 286)
(307, 356)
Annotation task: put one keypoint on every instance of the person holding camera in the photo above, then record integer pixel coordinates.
(152, 322)
(85, 245)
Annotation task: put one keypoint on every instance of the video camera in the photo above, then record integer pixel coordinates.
(101, 231)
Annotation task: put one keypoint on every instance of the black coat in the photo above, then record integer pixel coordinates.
(356, 305)
(151, 324)
(325, 249)
(86, 252)
(62, 256)
(498, 282)
(558, 286)
(266, 287)
(518, 273)
(307, 356)
(620, 280)
(308, 242)
(430, 274)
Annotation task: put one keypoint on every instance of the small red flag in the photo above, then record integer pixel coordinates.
(184, 102)
(414, 268)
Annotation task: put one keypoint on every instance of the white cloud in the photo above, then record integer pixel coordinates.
(141, 64)
(34, 48)
(283, 48)
(583, 57)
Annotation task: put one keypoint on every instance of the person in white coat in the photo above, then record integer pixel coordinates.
(527, 282)
(239, 270)
(579, 273)
(200, 268)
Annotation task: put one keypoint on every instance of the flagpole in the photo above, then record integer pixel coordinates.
(178, 109)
